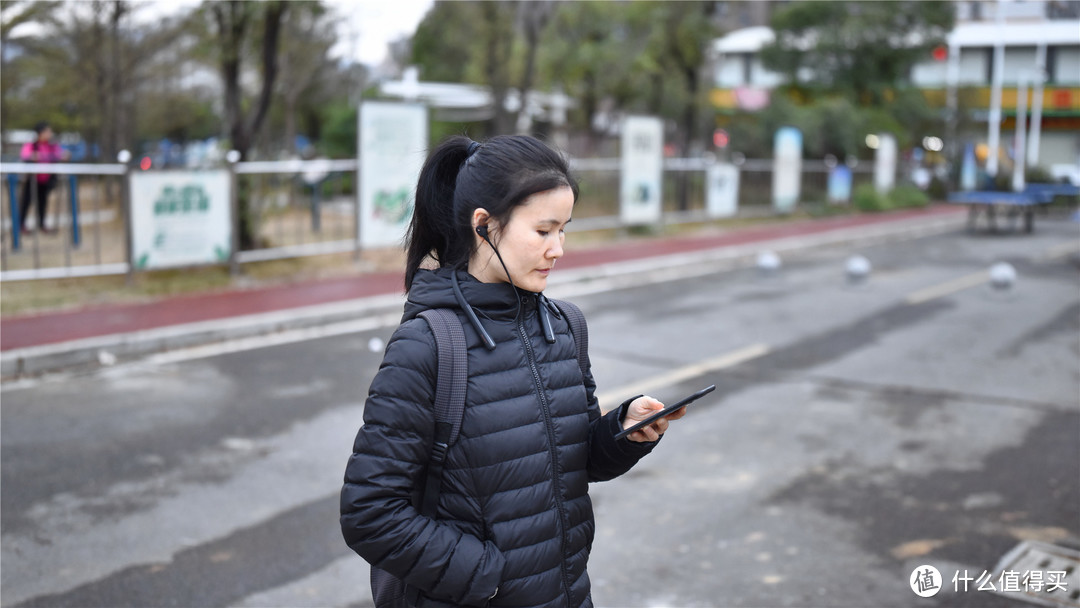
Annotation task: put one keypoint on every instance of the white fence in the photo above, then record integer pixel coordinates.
(301, 208)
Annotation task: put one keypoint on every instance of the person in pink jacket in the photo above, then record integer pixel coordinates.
(41, 150)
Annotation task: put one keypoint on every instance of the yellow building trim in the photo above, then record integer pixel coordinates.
(1056, 99)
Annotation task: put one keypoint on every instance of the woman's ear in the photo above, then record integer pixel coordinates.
(481, 217)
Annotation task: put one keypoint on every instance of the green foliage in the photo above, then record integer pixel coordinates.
(1038, 175)
(862, 49)
(595, 52)
(339, 131)
(97, 69)
(907, 195)
(444, 45)
(832, 124)
(307, 73)
(611, 57)
(1002, 182)
(748, 136)
(176, 117)
(859, 55)
(938, 189)
(867, 198)
(474, 42)
(783, 112)
(842, 131)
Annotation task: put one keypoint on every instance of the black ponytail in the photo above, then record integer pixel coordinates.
(460, 176)
(432, 228)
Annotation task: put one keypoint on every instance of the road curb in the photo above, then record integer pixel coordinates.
(105, 350)
(89, 353)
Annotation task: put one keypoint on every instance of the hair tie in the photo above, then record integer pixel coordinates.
(472, 148)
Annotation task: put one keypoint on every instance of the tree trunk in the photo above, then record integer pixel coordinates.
(232, 20)
(687, 136)
(495, 63)
(275, 12)
(590, 103)
(534, 18)
(116, 83)
(531, 41)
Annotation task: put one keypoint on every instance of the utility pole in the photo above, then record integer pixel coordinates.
(994, 120)
(1036, 105)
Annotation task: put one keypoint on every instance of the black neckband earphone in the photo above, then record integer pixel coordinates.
(482, 230)
(545, 322)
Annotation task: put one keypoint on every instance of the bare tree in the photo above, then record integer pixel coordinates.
(14, 13)
(235, 20)
(304, 50)
(533, 18)
(498, 36)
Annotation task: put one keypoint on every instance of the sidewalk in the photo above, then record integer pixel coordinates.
(34, 344)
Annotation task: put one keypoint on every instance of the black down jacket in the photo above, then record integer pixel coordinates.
(514, 514)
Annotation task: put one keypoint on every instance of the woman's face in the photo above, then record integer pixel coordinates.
(529, 242)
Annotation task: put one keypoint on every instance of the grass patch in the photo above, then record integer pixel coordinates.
(26, 297)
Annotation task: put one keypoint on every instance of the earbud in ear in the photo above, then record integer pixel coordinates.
(482, 230)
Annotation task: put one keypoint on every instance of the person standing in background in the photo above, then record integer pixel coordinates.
(41, 150)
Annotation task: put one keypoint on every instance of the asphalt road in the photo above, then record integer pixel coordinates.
(858, 431)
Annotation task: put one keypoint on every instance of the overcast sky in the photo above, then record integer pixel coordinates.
(374, 23)
(363, 33)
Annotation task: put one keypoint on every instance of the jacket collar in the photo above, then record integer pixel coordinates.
(494, 302)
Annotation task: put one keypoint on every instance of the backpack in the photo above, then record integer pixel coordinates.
(387, 590)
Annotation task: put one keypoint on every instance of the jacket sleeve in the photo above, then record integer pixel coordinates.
(390, 454)
(608, 457)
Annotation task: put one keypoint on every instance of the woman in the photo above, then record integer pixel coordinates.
(41, 150)
(515, 523)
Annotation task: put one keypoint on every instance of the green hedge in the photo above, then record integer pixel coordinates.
(867, 198)
(908, 196)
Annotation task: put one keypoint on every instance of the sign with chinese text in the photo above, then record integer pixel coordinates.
(393, 146)
(641, 165)
(180, 218)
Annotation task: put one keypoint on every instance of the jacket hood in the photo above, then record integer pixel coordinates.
(457, 289)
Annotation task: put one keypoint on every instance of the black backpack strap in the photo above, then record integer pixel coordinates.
(449, 397)
(580, 330)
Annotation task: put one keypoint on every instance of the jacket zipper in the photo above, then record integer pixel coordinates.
(553, 448)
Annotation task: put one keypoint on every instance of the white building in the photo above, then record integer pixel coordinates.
(1031, 33)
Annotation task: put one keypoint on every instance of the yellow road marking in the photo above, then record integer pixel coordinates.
(1060, 250)
(948, 287)
(648, 385)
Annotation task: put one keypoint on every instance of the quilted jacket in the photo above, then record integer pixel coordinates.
(514, 518)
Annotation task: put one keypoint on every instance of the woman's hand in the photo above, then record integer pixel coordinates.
(640, 409)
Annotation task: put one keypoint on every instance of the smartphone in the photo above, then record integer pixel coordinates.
(666, 411)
